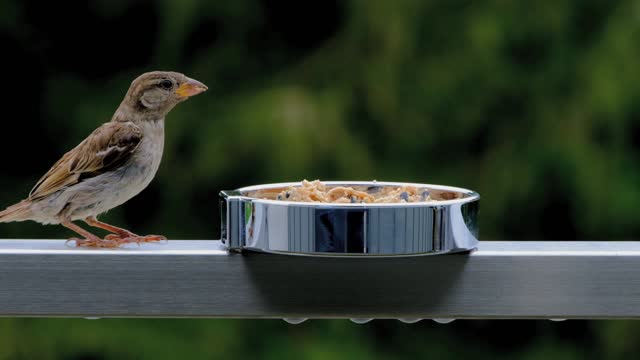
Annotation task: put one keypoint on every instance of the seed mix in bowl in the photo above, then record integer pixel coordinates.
(316, 191)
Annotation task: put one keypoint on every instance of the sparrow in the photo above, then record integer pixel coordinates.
(112, 165)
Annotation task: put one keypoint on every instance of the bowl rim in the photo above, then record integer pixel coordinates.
(470, 195)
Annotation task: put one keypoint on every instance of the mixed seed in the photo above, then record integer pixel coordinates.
(316, 191)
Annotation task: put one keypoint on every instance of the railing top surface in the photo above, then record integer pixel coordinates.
(216, 248)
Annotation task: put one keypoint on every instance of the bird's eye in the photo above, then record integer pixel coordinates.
(166, 84)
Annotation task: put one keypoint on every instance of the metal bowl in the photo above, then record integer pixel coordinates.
(358, 230)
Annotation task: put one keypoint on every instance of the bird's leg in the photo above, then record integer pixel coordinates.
(122, 235)
(90, 240)
(93, 221)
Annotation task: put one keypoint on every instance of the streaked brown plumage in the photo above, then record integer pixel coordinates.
(113, 164)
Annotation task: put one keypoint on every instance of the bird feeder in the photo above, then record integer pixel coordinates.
(446, 223)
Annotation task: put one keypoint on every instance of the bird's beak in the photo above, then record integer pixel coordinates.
(190, 88)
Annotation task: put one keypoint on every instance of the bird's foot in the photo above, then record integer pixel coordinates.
(133, 238)
(113, 241)
(94, 243)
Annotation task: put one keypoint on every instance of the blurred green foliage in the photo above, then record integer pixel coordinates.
(532, 104)
(317, 339)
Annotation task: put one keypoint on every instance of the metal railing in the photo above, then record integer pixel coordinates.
(201, 279)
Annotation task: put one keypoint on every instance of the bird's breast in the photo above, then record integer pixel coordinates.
(147, 157)
(136, 175)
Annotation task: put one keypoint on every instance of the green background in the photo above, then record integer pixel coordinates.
(532, 104)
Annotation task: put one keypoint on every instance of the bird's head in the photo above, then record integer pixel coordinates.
(153, 94)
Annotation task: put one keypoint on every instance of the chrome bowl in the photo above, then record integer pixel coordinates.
(355, 230)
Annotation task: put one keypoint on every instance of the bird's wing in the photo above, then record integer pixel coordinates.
(107, 148)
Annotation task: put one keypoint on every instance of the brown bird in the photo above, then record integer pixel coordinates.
(112, 165)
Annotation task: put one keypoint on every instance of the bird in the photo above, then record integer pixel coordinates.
(110, 166)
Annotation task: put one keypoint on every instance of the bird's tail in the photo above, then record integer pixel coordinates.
(18, 212)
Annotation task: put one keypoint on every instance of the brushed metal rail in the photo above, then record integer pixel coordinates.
(201, 279)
